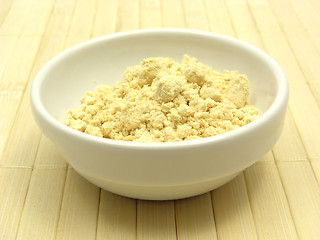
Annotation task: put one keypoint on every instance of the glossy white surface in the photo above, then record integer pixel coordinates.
(158, 170)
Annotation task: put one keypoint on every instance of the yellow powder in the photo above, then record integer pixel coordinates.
(164, 101)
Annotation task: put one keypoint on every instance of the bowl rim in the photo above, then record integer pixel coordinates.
(280, 101)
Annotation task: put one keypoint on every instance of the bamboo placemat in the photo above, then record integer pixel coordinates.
(42, 198)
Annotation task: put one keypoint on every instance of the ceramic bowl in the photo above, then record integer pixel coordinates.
(158, 171)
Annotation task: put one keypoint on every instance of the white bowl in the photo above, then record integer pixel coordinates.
(158, 171)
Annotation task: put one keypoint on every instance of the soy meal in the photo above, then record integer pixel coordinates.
(161, 100)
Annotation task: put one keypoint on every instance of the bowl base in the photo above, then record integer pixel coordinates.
(170, 192)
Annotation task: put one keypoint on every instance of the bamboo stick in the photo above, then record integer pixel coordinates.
(23, 142)
(289, 147)
(194, 217)
(232, 211)
(172, 14)
(37, 19)
(14, 81)
(316, 5)
(243, 23)
(303, 193)
(277, 198)
(316, 168)
(308, 14)
(300, 42)
(128, 15)
(274, 40)
(7, 44)
(218, 17)
(48, 155)
(269, 204)
(60, 19)
(231, 204)
(307, 119)
(82, 22)
(40, 211)
(80, 206)
(150, 14)
(117, 217)
(4, 9)
(105, 18)
(79, 210)
(155, 220)
(13, 189)
(195, 14)
(20, 9)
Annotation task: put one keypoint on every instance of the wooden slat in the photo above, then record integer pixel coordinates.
(128, 15)
(82, 22)
(289, 147)
(274, 40)
(232, 211)
(316, 5)
(172, 14)
(15, 18)
(23, 141)
(22, 144)
(195, 14)
(80, 30)
(303, 193)
(13, 189)
(308, 14)
(271, 25)
(7, 44)
(37, 18)
(150, 14)
(243, 22)
(117, 217)
(277, 198)
(117, 214)
(79, 210)
(218, 17)
(4, 9)
(301, 44)
(18, 66)
(287, 17)
(307, 119)
(267, 158)
(316, 168)
(60, 19)
(269, 204)
(48, 155)
(14, 81)
(231, 202)
(155, 220)
(194, 218)
(32, 17)
(41, 209)
(105, 17)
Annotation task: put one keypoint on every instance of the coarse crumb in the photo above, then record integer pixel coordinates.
(164, 101)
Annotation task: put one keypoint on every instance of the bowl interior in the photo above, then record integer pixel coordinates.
(103, 61)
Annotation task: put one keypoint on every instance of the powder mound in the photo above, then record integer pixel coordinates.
(168, 87)
(160, 100)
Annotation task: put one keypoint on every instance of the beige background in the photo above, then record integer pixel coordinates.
(42, 198)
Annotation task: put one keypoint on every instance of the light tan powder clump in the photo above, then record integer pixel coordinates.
(164, 101)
